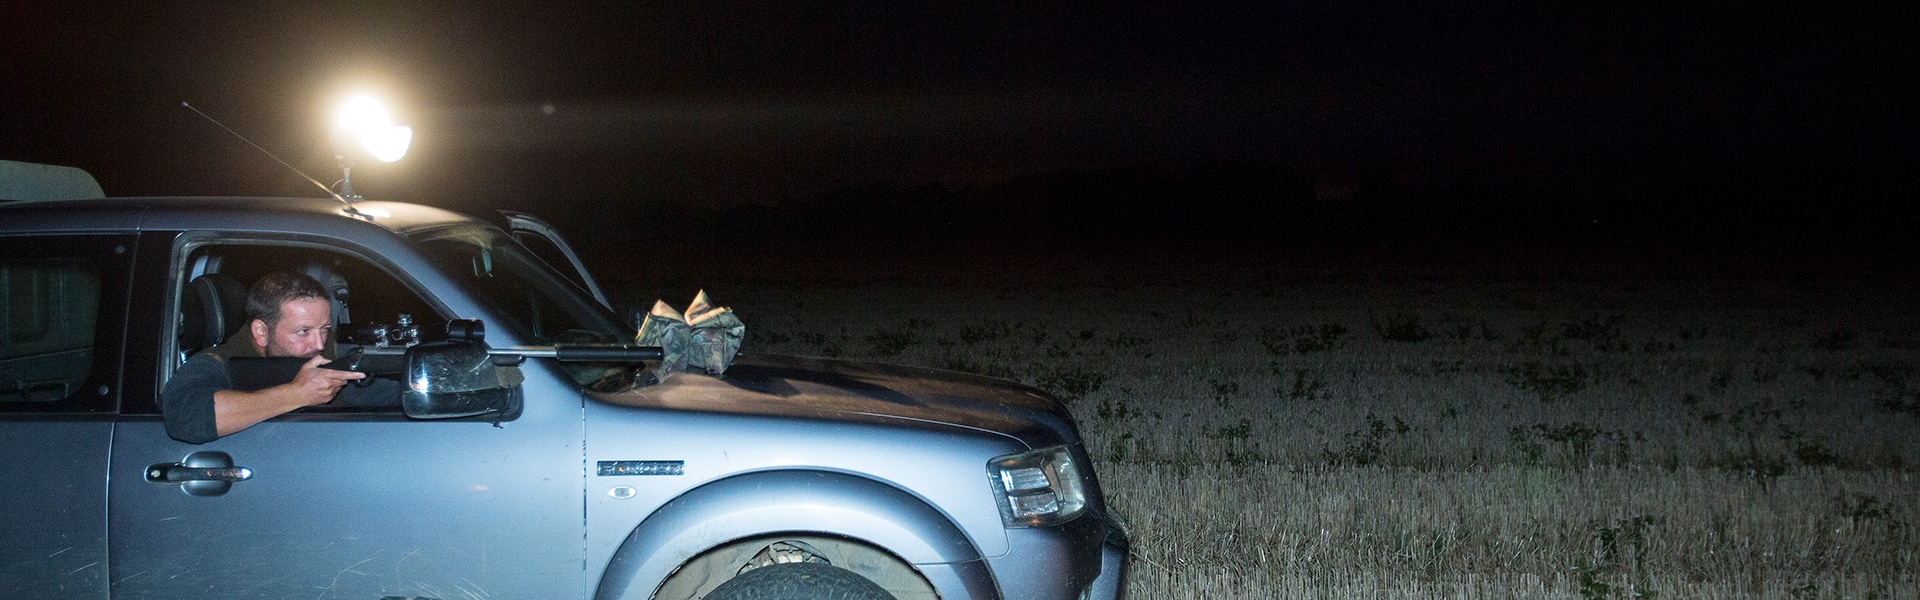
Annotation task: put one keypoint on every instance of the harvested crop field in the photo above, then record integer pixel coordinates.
(1419, 423)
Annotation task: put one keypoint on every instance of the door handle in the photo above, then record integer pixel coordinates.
(179, 473)
(205, 473)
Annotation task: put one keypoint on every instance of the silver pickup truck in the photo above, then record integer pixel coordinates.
(783, 477)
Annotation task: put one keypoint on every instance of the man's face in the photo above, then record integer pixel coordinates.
(302, 331)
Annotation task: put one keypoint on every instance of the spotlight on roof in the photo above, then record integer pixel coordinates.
(369, 130)
(364, 131)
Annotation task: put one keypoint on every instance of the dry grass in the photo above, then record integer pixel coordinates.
(1360, 428)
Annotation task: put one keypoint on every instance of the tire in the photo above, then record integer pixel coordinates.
(799, 581)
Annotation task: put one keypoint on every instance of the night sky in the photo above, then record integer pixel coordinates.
(599, 114)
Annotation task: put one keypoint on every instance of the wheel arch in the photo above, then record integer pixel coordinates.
(768, 503)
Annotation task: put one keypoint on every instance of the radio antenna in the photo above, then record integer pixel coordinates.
(323, 187)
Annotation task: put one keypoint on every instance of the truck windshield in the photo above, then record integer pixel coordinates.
(543, 306)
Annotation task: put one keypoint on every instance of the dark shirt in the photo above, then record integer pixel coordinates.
(186, 405)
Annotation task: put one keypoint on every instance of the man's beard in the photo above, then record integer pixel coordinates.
(275, 349)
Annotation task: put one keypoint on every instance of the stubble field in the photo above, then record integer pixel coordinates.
(1435, 424)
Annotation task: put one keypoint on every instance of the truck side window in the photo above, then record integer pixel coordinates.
(359, 289)
(58, 297)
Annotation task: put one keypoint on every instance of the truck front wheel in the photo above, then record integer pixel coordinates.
(799, 581)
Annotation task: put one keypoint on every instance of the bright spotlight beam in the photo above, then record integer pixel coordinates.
(366, 123)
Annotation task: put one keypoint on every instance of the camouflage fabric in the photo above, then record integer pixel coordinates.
(716, 334)
(666, 328)
(706, 336)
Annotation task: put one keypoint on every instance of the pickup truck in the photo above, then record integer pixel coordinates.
(551, 477)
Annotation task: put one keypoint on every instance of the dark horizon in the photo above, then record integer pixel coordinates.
(1769, 118)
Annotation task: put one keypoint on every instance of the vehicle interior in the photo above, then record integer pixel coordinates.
(46, 327)
(213, 298)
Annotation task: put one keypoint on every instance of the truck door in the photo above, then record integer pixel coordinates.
(546, 243)
(350, 502)
(62, 301)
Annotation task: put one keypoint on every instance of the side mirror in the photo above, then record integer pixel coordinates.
(454, 379)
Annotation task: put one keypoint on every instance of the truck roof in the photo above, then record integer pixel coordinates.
(40, 197)
(293, 215)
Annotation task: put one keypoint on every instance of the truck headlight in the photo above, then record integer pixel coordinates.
(1037, 488)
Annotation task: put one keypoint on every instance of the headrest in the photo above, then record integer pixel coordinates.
(213, 308)
(335, 284)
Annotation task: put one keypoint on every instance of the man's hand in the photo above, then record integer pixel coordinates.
(315, 385)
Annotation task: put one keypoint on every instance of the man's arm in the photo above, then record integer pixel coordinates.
(199, 405)
(235, 410)
(186, 405)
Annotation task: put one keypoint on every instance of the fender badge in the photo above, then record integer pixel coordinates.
(620, 468)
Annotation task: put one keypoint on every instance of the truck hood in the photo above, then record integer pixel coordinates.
(813, 387)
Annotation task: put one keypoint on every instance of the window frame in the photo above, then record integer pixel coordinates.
(181, 247)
